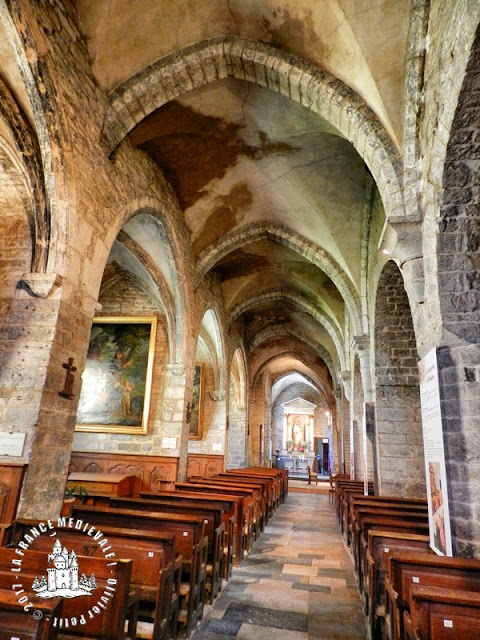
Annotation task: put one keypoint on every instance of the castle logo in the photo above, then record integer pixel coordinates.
(62, 576)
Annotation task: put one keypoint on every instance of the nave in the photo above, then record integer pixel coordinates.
(297, 583)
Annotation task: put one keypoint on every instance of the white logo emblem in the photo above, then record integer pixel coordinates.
(62, 576)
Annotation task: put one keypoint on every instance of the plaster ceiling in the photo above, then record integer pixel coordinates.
(241, 157)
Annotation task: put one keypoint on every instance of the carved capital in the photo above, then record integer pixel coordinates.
(361, 344)
(176, 369)
(41, 284)
(217, 395)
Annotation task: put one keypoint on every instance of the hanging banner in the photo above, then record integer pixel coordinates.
(435, 472)
(364, 449)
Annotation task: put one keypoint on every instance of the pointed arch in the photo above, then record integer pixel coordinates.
(322, 318)
(289, 238)
(232, 56)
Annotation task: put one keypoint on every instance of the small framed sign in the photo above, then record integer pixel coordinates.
(11, 444)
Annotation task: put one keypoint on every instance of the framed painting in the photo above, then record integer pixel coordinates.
(117, 380)
(196, 412)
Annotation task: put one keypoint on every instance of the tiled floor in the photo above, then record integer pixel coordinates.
(296, 584)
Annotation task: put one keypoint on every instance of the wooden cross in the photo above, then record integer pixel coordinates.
(69, 380)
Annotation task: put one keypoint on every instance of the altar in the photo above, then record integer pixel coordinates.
(296, 463)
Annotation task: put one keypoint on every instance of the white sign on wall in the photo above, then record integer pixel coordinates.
(435, 471)
(169, 443)
(11, 444)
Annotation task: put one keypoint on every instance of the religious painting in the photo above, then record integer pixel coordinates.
(196, 412)
(116, 383)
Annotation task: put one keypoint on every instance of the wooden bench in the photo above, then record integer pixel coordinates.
(16, 623)
(214, 530)
(364, 504)
(104, 613)
(268, 489)
(344, 490)
(255, 491)
(190, 541)
(155, 570)
(399, 524)
(362, 517)
(442, 614)
(226, 504)
(405, 571)
(243, 527)
(280, 476)
(380, 545)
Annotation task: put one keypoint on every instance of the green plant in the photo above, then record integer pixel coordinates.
(76, 491)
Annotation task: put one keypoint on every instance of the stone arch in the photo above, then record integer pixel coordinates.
(279, 233)
(399, 440)
(282, 330)
(262, 64)
(175, 258)
(161, 291)
(210, 352)
(46, 165)
(452, 64)
(458, 253)
(237, 411)
(319, 315)
(212, 337)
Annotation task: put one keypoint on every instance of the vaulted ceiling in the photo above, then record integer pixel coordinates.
(250, 163)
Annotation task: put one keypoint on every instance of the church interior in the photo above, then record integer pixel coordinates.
(241, 235)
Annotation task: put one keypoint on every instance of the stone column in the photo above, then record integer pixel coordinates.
(49, 333)
(174, 419)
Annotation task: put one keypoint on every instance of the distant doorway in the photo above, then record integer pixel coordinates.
(321, 454)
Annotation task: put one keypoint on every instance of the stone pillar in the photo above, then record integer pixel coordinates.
(50, 332)
(174, 419)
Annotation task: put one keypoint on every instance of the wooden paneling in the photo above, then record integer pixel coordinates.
(11, 481)
(152, 472)
(205, 465)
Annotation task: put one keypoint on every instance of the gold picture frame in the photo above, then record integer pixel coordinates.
(196, 412)
(117, 380)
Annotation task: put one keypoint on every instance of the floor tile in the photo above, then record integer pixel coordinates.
(297, 582)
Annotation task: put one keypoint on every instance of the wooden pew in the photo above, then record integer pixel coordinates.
(254, 492)
(362, 504)
(190, 542)
(270, 488)
(344, 490)
(399, 524)
(425, 569)
(363, 516)
(104, 619)
(214, 530)
(280, 475)
(442, 614)
(334, 478)
(15, 622)
(155, 571)
(228, 505)
(243, 533)
(380, 545)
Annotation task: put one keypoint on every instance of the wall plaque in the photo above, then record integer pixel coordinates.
(11, 444)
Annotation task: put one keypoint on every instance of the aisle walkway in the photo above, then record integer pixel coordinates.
(296, 584)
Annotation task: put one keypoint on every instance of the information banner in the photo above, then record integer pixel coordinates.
(435, 472)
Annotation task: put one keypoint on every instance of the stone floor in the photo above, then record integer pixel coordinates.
(296, 584)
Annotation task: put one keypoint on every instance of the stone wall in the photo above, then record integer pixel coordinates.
(129, 298)
(398, 418)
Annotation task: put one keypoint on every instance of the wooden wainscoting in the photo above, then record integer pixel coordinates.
(202, 464)
(152, 472)
(11, 481)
